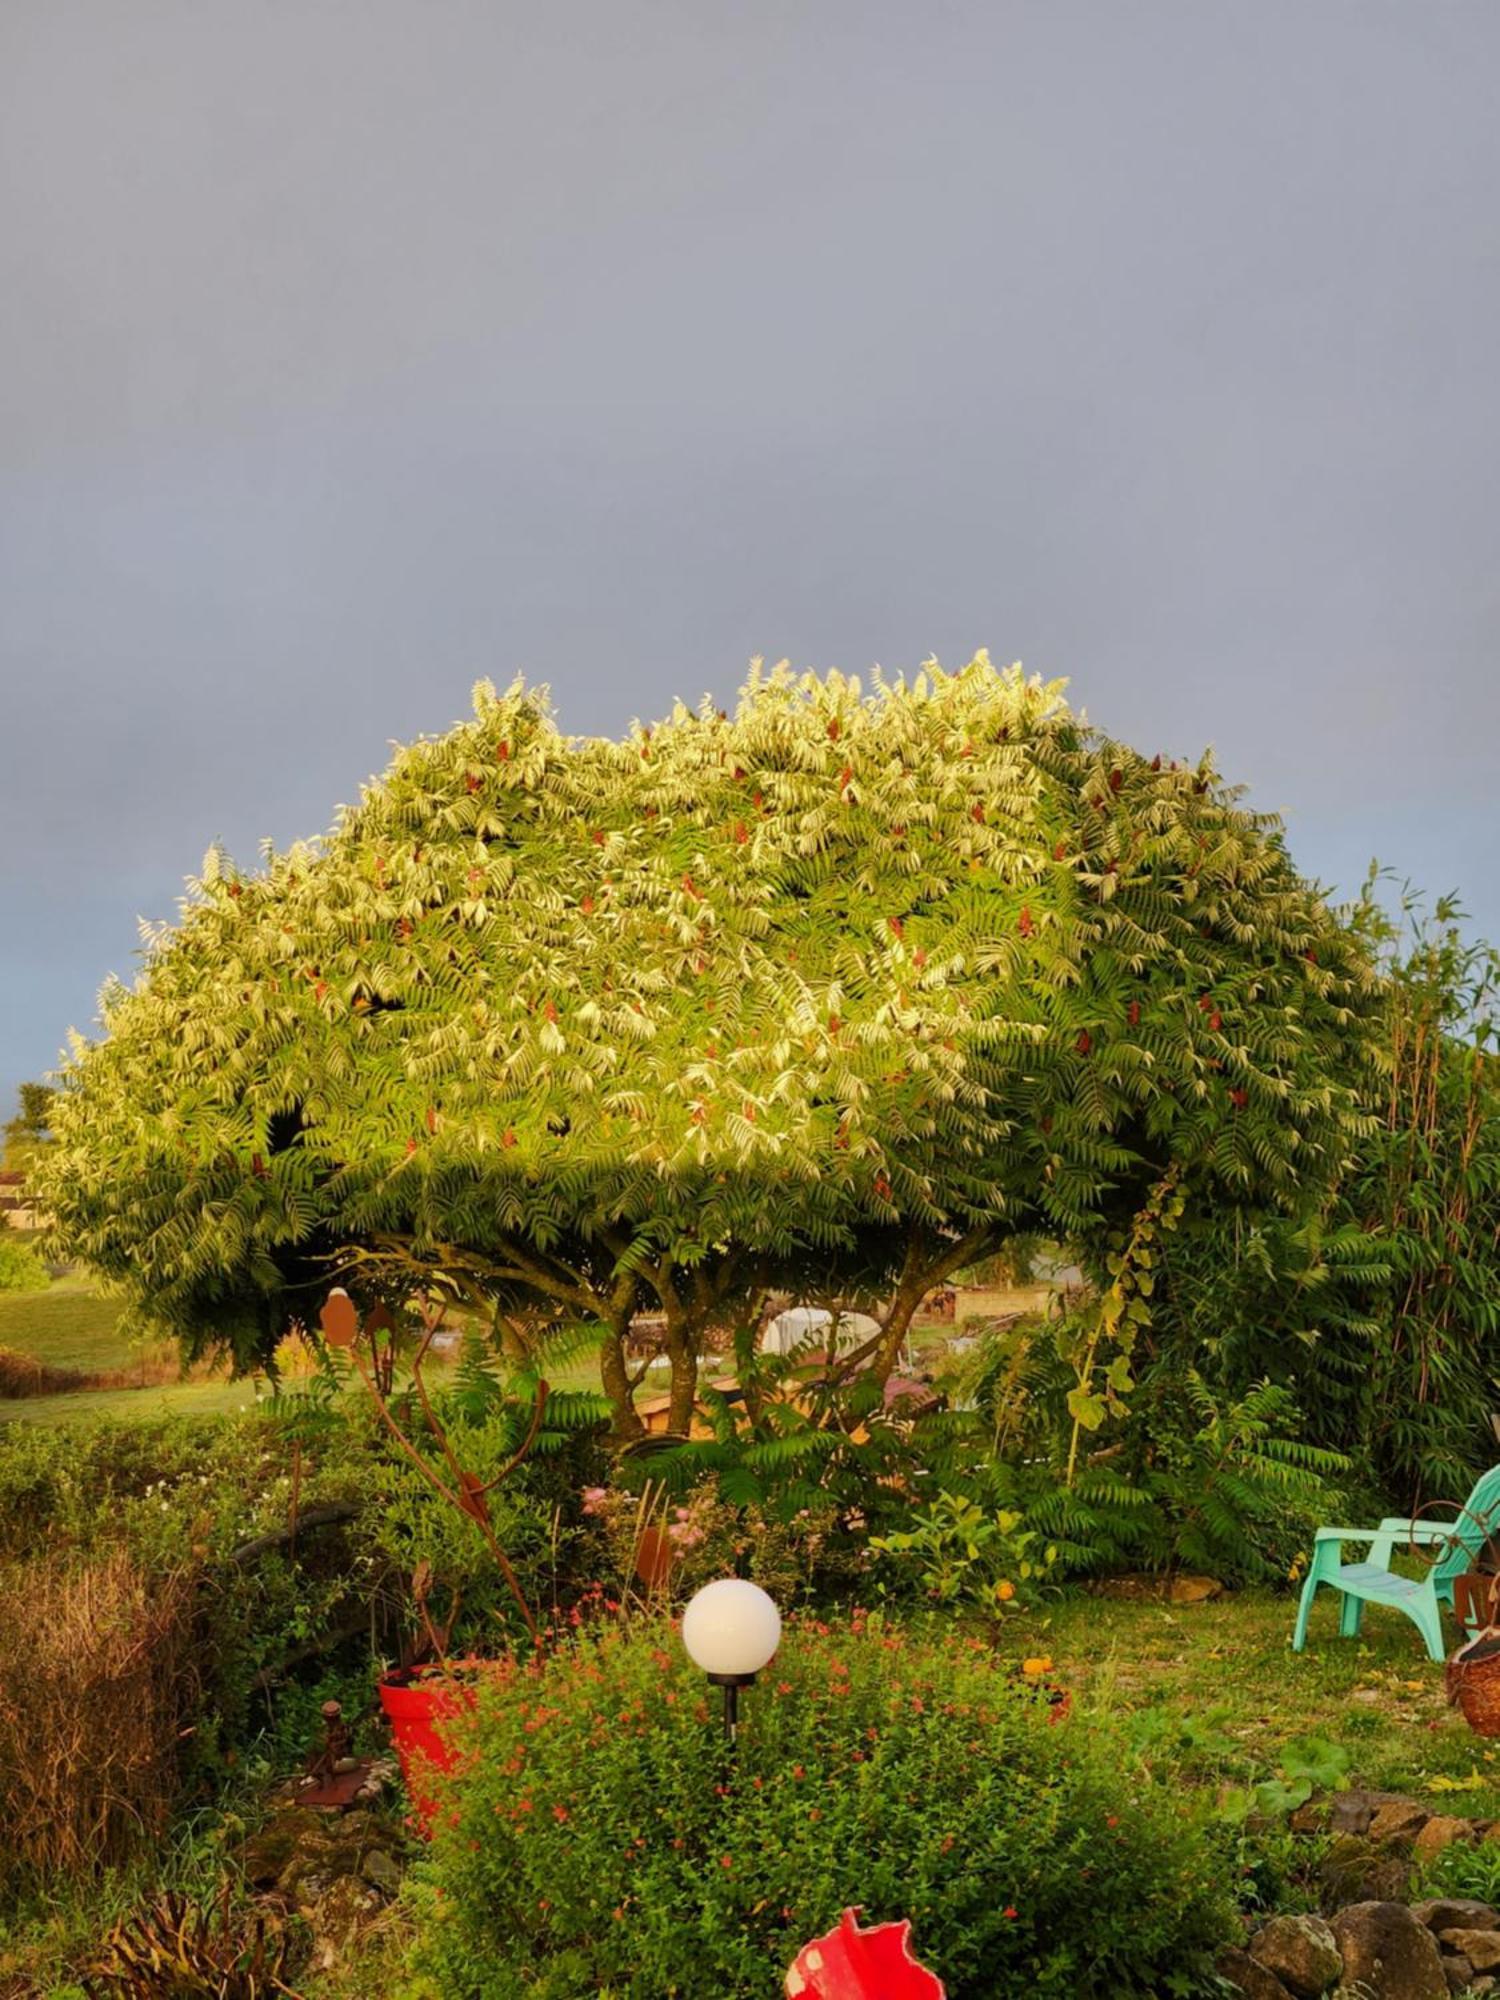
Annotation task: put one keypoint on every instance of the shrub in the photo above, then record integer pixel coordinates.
(21, 1270)
(96, 1684)
(603, 1839)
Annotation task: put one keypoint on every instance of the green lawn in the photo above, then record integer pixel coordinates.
(70, 1326)
(156, 1400)
(1219, 1684)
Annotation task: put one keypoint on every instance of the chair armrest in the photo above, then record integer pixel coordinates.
(1418, 1531)
(1350, 1534)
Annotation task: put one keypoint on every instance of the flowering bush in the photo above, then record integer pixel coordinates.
(702, 1536)
(603, 1838)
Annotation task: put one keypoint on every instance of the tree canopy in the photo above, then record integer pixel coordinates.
(23, 1137)
(854, 983)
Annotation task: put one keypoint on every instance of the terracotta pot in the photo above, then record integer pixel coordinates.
(417, 1702)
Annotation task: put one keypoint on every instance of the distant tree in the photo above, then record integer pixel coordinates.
(854, 986)
(28, 1132)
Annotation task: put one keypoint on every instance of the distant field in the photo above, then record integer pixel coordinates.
(69, 1326)
(178, 1398)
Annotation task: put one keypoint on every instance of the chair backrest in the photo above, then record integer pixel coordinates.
(1473, 1528)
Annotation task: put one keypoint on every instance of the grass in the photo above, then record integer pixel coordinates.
(71, 1326)
(155, 1400)
(68, 1325)
(1217, 1687)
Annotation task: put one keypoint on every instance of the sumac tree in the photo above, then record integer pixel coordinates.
(851, 982)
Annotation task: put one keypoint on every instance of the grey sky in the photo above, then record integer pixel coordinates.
(351, 351)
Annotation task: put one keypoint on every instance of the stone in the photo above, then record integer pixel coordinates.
(1354, 1870)
(1315, 1817)
(268, 1852)
(1387, 1955)
(1440, 1831)
(1458, 1972)
(1480, 1948)
(1239, 1970)
(1351, 1813)
(1487, 1984)
(1455, 1913)
(1397, 1823)
(382, 1871)
(1194, 1590)
(346, 1904)
(1301, 1952)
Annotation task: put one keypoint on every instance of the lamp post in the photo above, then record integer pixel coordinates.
(730, 1629)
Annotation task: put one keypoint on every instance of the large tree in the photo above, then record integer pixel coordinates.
(850, 983)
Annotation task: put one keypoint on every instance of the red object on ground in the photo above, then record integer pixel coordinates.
(851, 1964)
(1060, 1700)
(417, 1702)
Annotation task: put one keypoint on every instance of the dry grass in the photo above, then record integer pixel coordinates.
(96, 1684)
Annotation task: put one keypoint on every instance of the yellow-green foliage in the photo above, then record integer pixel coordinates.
(655, 1021)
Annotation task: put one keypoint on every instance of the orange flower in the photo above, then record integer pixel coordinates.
(1005, 1590)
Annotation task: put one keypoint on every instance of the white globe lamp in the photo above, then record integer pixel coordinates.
(731, 1629)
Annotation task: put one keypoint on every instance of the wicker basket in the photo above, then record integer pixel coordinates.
(1473, 1678)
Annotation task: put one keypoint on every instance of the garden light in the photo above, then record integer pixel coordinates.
(731, 1629)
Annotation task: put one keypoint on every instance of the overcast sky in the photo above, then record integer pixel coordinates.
(349, 352)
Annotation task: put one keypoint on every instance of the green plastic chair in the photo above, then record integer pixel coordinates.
(1374, 1582)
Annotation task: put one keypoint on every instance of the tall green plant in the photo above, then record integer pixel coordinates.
(1429, 1188)
(1379, 1302)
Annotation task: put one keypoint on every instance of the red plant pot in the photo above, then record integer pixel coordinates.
(417, 1702)
(854, 1964)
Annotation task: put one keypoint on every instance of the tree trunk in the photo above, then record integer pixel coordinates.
(926, 1264)
(682, 1350)
(615, 1377)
